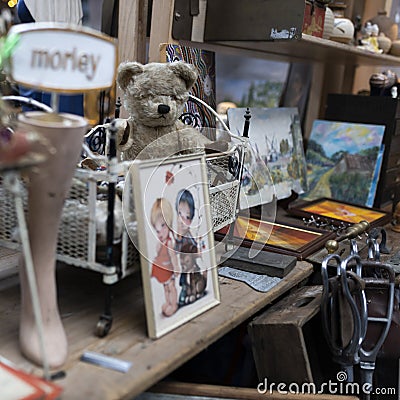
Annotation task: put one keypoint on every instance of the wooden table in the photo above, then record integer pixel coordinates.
(81, 296)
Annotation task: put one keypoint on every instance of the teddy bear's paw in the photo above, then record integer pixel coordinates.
(216, 147)
(124, 137)
(190, 138)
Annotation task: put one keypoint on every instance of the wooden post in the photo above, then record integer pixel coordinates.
(132, 26)
(314, 100)
(161, 27)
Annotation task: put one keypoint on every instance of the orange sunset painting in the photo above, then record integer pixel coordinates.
(272, 234)
(344, 212)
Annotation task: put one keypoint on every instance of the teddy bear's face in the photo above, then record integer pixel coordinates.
(155, 93)
(155, 106)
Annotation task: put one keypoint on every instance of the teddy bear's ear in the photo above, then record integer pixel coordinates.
(126, 72)
(185, 71)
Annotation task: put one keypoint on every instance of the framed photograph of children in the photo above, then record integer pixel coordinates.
(176, 240)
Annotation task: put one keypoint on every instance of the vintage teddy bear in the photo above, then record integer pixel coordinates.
(154, 96)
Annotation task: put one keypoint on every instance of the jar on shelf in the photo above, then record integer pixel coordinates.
(328, 23)
(378, 82)
(338, 8)
(384, 43)
(395, 48)
(386, 24)
(343, 30)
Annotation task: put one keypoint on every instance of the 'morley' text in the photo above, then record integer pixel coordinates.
(66, 61)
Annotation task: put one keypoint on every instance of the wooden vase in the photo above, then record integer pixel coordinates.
(386, 25)
(49, 184)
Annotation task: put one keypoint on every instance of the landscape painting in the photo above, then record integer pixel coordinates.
(343, 161)
(274, 236)
(276, 164)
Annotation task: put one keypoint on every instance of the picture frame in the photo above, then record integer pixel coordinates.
(275, 165)
(278, 237)
(344, 160)
(204, 87)
(338, 212)
(297, 89)
(175, 240)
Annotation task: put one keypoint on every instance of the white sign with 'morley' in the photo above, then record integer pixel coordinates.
(63, 58)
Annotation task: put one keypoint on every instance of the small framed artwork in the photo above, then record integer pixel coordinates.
(276, 237)
(275, 164)
(176, 240)
(344, 160)
(336, 212)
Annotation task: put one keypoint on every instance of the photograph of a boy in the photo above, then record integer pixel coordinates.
(165, 264)
(185, 208)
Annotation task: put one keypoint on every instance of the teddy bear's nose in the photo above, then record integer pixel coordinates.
(163, 109)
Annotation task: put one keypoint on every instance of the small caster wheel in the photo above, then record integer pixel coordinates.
(103, 326)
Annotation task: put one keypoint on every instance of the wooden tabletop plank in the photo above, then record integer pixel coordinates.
(81, 299)
(225, 392)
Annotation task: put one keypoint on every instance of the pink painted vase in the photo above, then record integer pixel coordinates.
(48, 186)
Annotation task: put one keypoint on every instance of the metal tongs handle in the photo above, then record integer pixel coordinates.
(368, 357)
(336, 290)
(376, 247)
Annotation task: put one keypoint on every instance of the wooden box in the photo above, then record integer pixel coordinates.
(314, 18)
(279, 341)
(256, 20)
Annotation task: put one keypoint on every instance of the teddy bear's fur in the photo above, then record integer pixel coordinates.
(154, 96)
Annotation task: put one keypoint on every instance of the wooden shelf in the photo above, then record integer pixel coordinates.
(81, 298)
(308, 48)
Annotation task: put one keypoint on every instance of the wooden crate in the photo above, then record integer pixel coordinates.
(278, 340)
(181, 390)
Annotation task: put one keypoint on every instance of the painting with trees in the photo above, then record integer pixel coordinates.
(276, 164)
(343, 161)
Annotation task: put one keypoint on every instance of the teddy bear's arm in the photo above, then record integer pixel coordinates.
(124, 136)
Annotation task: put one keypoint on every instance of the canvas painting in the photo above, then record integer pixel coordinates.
(176, 240)
(343, 161)
(274, 236)
(204, 88)
(333, 210)
(276, 164)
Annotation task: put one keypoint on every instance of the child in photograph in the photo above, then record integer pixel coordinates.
(184, 240)
(165, 264)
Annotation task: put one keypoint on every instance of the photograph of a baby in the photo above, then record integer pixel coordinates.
(177, 247)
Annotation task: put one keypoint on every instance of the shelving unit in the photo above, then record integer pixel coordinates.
(308, 48)
(334, 64)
